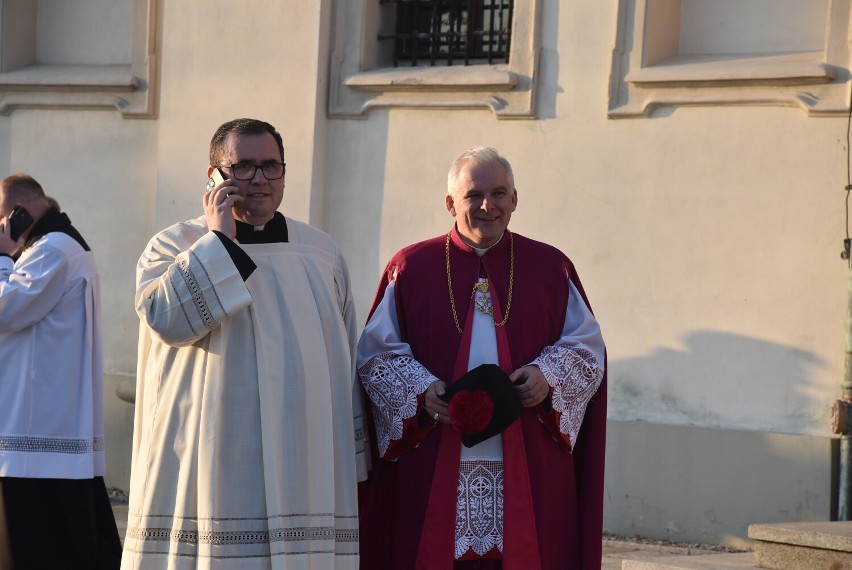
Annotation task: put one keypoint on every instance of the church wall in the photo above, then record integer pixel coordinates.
(707, 237)
(122, 180)
(706, 486)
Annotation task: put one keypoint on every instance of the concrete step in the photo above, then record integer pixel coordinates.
(734, 561)
(119, 510)
(785, 546)
(803, 546)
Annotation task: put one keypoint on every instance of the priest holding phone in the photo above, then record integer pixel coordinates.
(51, 389)
(248, 438)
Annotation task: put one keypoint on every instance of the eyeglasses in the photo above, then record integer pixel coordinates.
(247, 170)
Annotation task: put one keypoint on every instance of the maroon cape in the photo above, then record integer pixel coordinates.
(553, 495)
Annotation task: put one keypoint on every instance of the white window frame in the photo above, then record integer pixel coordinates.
(358, 83)
(131, 89)
(648, 30)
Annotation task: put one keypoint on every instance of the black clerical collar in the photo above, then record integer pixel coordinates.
(54, 221)
(274, 231)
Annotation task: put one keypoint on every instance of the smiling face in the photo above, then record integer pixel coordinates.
(482, 202)
(261, 197)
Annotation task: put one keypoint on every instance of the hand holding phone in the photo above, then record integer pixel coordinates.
(218, 204)
(18, 222)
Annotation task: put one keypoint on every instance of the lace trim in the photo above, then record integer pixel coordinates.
(479, 510)
(36, 444)
(195, 292)
(393, 382)
(575, 375)
(217, 538)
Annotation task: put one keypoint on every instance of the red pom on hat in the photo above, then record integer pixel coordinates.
(471, 411)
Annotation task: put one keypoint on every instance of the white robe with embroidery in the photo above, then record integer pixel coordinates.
(248, 438)
(51, 384)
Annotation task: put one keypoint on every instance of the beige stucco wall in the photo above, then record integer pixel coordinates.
(706, 237)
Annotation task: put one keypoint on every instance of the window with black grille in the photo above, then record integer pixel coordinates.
(449, 32)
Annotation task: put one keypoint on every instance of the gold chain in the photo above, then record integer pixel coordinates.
(511, 284)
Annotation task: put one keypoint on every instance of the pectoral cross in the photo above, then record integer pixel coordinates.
(483, 301)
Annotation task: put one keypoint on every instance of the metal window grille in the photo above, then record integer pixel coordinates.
(450, 31)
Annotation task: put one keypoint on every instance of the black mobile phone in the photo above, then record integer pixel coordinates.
(18, 222)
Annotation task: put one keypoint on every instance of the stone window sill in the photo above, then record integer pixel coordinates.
(736, 69)
(360, 81)
(76, 86)
(649, 72)
(435, 78)
(110, 78)
(26, 83)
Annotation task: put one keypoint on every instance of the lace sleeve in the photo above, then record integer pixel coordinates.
(394, 383)
(574, 374)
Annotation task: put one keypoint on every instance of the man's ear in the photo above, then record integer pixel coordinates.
(451, 208)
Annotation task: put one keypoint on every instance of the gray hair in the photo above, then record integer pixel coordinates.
(478, 155)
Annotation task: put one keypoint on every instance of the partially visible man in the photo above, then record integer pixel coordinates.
(248, 439)
(51, 389)
(530, 498)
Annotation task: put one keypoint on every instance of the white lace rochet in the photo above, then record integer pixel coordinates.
(575, 375)
(479, 511)
(393, 382)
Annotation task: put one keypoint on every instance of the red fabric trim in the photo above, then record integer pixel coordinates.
(438, 538)
(437, 542)
(520, 538)
(412, 433)
(551, 419)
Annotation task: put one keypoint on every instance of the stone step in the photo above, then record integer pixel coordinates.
(780, 546)
(803, 545)
(733, 561)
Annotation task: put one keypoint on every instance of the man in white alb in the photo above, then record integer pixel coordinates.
(248, 442)
(51, 389)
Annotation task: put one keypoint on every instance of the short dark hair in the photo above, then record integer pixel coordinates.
(241, 127)
(22, 186)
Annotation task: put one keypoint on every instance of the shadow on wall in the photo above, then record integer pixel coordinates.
(696, 449)
(706, 486)
(722, 380)
(549, 88)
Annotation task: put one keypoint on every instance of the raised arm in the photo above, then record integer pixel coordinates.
(183, 293)
(30, 289)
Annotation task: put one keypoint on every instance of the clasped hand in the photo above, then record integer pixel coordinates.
(529, 381)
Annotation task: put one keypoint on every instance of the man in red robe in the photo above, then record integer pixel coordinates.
(531, 497)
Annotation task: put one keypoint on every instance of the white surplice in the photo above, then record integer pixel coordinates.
(51, 384)
(248, 437)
